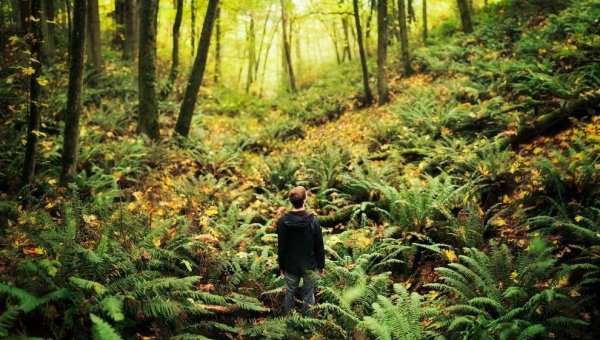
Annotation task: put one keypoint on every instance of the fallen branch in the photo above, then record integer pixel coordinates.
(588, 104)
(342, 216)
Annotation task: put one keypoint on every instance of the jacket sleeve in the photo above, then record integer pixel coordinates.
(319, 248)
(280, 246)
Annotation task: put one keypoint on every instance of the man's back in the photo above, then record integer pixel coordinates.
(300, 244)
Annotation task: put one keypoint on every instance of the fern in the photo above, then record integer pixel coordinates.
(402, 319)
(102, 330)
(486, 300)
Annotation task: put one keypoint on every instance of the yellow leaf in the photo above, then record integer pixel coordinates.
(34, 19)
(450, 255)
(28, 70)
(39, 133)
(499, 222)
(138, 195)
(52, 181)
(563, 281)
(157, 241)
(42, 81)
(578, 218)
(207, 238)
(537, 150)
(211, 211)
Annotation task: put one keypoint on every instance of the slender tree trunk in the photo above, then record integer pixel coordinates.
(404, 38)
(363, 57)
(94, 42)
(294, 28)
(218, 47)
(34, 27)
(69, 25)
(191, 91)
(148, 102)
(368, 29)
(347, 49)
(335, 44)
(394, 30)
(49, 44)
(193, 16)
(75, 89)
(175, 52)
(264, 68)
(251, 41)
(286, 47)
(119, 22)
(262, 42)
(465, 16)
(425, 30)
(130, 47)
(382, 22)
(23, 16)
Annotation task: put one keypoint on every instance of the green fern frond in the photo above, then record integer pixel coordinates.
(102, 330)
(88, 285)
(113, 307)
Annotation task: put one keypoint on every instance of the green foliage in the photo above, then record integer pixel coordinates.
(102, 330)
(399, 319)
(501, 295)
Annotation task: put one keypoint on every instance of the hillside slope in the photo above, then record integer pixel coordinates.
(438, 221)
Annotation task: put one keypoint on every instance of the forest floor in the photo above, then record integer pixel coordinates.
(432, 225)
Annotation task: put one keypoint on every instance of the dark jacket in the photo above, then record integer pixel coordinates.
(300, 243)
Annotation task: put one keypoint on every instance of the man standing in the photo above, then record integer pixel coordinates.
(300, 251)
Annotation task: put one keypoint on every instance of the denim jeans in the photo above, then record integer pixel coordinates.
(292, 283)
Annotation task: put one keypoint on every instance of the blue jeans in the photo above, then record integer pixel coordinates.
(292, 283)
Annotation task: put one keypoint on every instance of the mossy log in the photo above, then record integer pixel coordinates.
(588, 104)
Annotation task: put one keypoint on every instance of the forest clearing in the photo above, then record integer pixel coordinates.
(450, 150)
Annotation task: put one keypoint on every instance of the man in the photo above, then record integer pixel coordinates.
(300, 251)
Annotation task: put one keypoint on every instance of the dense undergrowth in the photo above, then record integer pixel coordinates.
(434, 227)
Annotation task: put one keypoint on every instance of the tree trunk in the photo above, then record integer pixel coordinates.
(23, 16)
(33, 125)
(130, 47)
(404, 38)
(69, 25)
(193, 17)
(347, 51)
(264, 68)
(119, 22)
(75, 89)
(94, 42)
(286, 48)
(251, 41)
(262, 43)
(148, 102)
(174, 53)
(49, 44)
(425, 30)
(465, 16)
(191, 91)
(218, 47)
(368, 29)
(363, 57)
(335, 44)
(382, 86)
